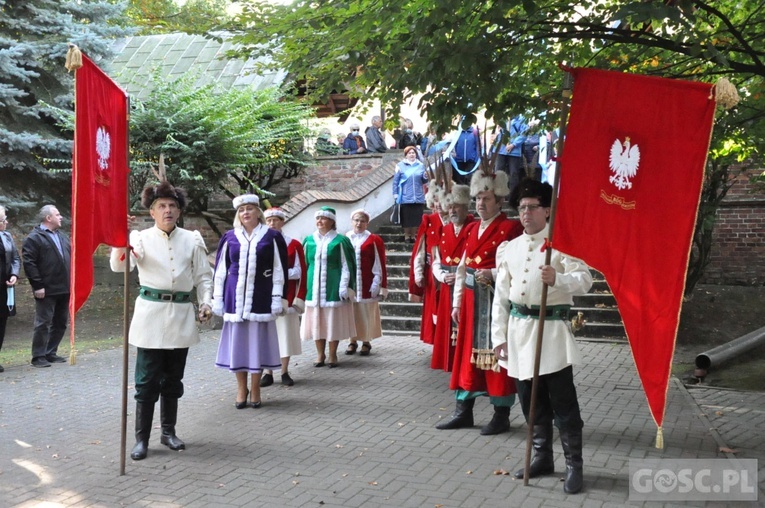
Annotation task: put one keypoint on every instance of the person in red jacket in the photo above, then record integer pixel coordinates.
(422, 286)
(446, 256)
(371, 282)
(475, 371)
(288, 325)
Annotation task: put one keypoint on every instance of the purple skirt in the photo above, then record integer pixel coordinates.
(250, 346)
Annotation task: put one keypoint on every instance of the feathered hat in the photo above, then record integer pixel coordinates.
(460, 195)
(495, 182)
(164, 189)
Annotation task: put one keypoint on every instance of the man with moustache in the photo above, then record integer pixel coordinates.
(171, 261)
(446, 256)
(472, 374)
(521, 276)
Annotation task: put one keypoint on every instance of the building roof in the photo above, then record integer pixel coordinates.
(174, 55)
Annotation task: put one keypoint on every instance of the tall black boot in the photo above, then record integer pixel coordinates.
(144, 414)
(499, 423)
(572, 450)
(542, 462)
(462, 417)
(168, 413)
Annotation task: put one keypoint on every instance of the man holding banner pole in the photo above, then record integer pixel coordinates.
(521, 273)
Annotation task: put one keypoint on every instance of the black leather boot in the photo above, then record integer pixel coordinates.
(499, 423)
(572, 450)
(168, 413)
(542, 462)
(462, 417)
(144, 414)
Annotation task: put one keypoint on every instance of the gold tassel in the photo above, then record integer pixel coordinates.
(73, 58)
(72, 357)
(659, 439)
(726, 94)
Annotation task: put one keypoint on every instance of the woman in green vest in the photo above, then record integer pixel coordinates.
(331, 282)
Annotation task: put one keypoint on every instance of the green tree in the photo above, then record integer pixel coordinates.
(230, 141)
(166, 16)
(503, 56)
(33, 45)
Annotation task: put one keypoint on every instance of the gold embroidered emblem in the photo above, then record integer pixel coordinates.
(448, 259)
(468, 260)
(478, 260)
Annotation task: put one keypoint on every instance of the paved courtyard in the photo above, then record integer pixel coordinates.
(361, 435)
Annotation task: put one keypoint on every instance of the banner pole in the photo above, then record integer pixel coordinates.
(125, 311)
(566, 94)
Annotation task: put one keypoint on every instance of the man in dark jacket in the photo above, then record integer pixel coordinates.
(375, 138)
(46, 253)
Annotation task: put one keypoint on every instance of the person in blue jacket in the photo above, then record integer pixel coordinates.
(510, 157)
(354, 143)
(408, 193)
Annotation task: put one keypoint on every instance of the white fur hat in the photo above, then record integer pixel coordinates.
(459, 195)
(496, 182)
(275, 211)
(360, 210)
(326, 211)
(246, 199)
(435, 193)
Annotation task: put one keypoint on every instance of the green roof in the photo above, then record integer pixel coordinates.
(174, 55)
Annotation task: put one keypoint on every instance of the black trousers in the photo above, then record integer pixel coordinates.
(51, 318)
(513, 166)
(159, 372)
(556, 400)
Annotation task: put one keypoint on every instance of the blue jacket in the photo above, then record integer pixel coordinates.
(466, 148)
(516, 136)
(351, 144)
(408, 181)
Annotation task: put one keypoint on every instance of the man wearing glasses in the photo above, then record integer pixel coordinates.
(521, 274)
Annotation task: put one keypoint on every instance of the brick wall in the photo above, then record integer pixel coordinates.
(738, 250)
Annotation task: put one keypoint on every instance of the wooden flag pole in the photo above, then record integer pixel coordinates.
(125, 312)
(567, 86)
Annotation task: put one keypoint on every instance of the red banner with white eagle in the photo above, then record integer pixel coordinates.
(100, 173)
(632, 169)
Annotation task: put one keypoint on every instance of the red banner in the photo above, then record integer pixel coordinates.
(99, 177)
(631, 174)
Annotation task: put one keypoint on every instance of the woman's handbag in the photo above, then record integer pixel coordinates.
(395, 214)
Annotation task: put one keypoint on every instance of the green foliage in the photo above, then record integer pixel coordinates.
(234, 141)
(503, 56)
(33, 44)
(166, 16)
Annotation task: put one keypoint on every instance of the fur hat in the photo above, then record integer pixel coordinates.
(496, 182)
(326, 211)
(246, 199)
(435, 193)
(530, 188)
(275, 211)
(459, 195)
(361, 210)
(165, 189)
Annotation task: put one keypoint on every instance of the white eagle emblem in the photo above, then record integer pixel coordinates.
(103, 147)
(624, 163)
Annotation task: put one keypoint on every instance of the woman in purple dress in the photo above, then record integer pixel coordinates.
(249, 281)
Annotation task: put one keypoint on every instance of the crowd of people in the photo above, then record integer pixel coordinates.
(479, 279)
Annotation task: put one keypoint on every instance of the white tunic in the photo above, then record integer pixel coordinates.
(174, 262)
(519, 280)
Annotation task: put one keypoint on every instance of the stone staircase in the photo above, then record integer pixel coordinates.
(400, 317)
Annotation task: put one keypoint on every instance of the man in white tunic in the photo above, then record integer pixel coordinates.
(521, 272)
(171, 261)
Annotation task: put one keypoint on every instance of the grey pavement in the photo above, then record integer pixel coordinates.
(359, 435)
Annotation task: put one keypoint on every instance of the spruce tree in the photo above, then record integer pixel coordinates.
(33, 45)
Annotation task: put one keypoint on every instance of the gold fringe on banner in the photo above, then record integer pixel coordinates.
(73, 58)
(659, 439)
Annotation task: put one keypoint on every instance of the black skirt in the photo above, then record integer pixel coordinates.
(411, 214)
